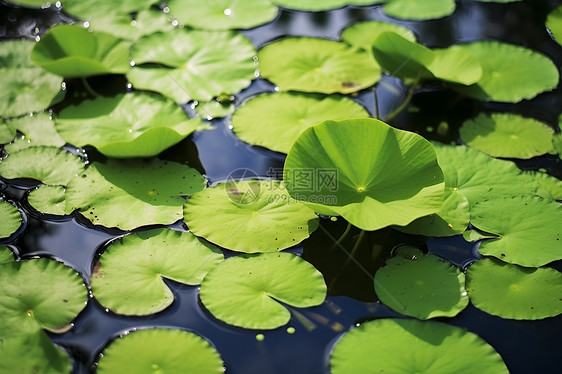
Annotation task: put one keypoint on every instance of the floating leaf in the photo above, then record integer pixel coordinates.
(276, 120)
(363, 34)
(160, 350)
(49, 165)
(529, 229)
(223, 14)
(509, 73)
(72, 51)
(551, 184)
(390, 177)
(25, 87)
(419, 10)
(554, 24)
(131, 125)
(315, 5)
(259, 282)
(11, 219)
(317, 65)
(402, 346)
(48, 199)
(128, 278)
(38, 129)
(507, 135)
(129, 194)
(184, 64)
(249, 216)
(104, 8)
(514, 292)
(214, 109)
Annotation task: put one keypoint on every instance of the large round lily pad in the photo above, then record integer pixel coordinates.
(259, 283)
(529, 229)
(554, 24)
(507, 135)
(127, 278)
(133, 193)
(223, 14)
(185, 64)
(315, 5)
(276, 120)
(371, 174)
(509, 73)
(363, 34)
(419, 10)
(11, 219)
(249, 216)
(131, 125)
(25, 87)
(38, 129)
(48, 199)
(49, 165)
(72, 51)
(402, 346)
(514, 292)
(317, 65)
(159, 350)
(421, 286)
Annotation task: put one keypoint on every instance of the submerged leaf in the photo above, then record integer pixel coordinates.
(249, 216)
(371, 174)
(38, 129)
(514, 292)
(276, 120)
(48, 199)
(259, 283)
(402, 346)
(11, 219)
(419, 10)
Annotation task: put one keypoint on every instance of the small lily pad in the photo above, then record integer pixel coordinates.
(189, 65)
(249, 216)
(25, 87)
(223, 14)
(405, 346)
(48, 199)
(11, 219)
(128, 277)
(160, 350)
(554, 24)
(317, 65)
(419, 10)
(390, 178)
(72, 51)
(49, 165)
(509, 73)
(276, 120)
(131, 125)
(38, 129)
(514, 292)
(259, 282)
(363, 34)
(529, 229)
(507, 135)
(315, 5)
(132, 193)
(421, 286)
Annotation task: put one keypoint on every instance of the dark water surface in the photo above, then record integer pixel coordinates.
(526, 346)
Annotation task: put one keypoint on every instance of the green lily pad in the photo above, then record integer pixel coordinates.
(554, 24)
(421, 286)
(507, 135)
(48, 199)
(249, 216)
(104, 8)
(509, 73)
(72, 51)
(551, 184)
(413, 62)
(11, 219)
(131, 125)
(160, 350)
(259, 282)
(363, 34)
(185, 64)
(223, 14)
(317, 65)
(383, 176)
(419, 10)
(523, 241)
(514, 292)
(25, 87)
(38, 129)
(402, 346)
(127, 278)
(132, 193)
(49, 165)
(315, 5)
(276, 120)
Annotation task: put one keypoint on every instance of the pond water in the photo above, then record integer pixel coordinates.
(526, 346)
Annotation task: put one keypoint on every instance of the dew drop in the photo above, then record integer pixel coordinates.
(86, 24)
(37, 38)
(276, 89)
(132, 63)
(63, 86)
(464, 293)
(129, 86)
(31, 114)
(133, 23)
(230, 127)
(130, 130)
(58, 4)
(166, 10)
(209, 118)
(257, 73)
(175, 22)
(106, 310)
(227, 12)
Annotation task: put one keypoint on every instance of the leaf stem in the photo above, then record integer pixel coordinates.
(404, 104)
(377, 115)
(89, 88)
(355, 248)
(342, 237)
